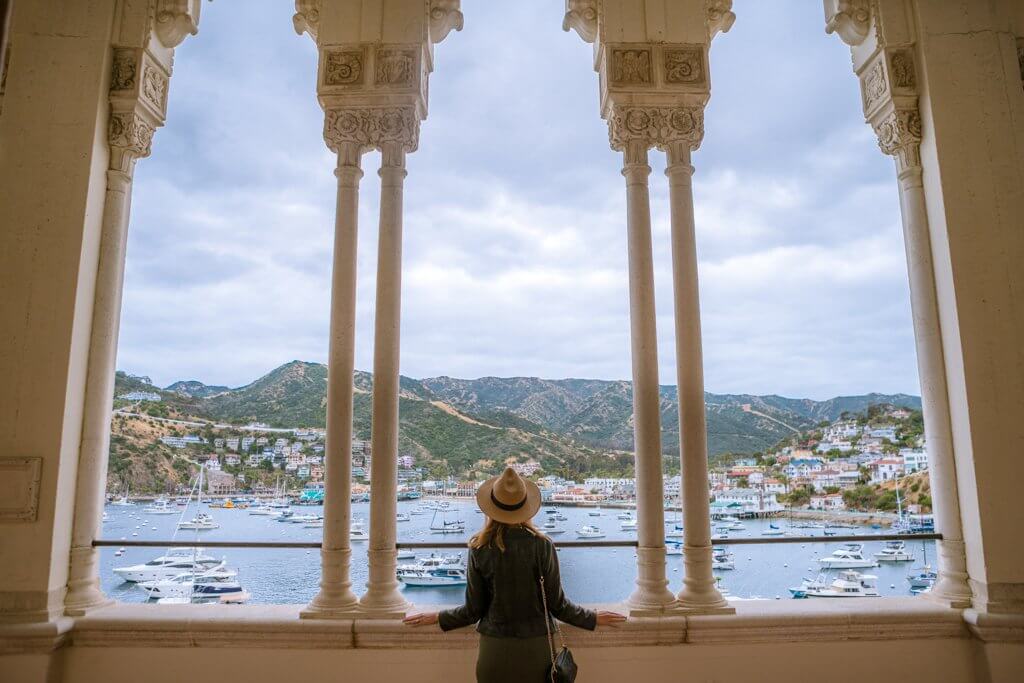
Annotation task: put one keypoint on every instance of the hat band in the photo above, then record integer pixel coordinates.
(507, 508)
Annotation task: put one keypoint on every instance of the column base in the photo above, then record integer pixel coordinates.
(705, 608)
(84, 594)
(652, 596)
(393, 611)
(951, 588)
(700, 593)
(315, 611)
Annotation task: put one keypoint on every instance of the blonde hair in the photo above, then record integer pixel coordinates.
(493, 534)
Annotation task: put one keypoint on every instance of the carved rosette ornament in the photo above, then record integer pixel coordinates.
(656, 126)
(370, 128)
(581, 16)
(899, 135)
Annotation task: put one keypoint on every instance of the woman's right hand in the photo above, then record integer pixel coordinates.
(606, 618)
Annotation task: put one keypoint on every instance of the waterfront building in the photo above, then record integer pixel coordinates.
(747, 502)
(827, 501)
(85, 87)
(220, 483)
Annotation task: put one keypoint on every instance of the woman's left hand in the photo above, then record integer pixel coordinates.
(425, 619)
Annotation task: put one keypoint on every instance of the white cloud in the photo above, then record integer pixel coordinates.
(515, 250)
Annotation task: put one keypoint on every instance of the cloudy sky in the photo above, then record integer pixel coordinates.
(514, 260)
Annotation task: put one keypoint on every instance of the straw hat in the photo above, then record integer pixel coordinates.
(508, 498)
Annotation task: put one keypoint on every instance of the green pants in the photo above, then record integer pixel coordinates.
(513, 660)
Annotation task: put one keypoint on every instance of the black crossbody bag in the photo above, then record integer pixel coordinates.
(563, 666)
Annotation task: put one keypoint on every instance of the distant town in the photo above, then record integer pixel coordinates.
(860, 462)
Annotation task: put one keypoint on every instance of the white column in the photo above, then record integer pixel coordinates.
(699, 591)
(382, 594)
(951, 587)
(336, 597)
(83, 579)
(652, 592)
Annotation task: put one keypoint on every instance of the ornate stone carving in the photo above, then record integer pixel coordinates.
(581, 16)
(899, 135)
(850, 19)
(307, 17)
(130, 133)
(444, 16)
(720, 16)
(175, 20)
(395, 67)
(684, 65)
(123, 71)
(343, 67)
(656, 126)
(20, 478)
(901, 68)
(631, 66)
(873, 85)
(370, 127)
(154, 88)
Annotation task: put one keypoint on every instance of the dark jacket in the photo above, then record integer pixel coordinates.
(503, 590)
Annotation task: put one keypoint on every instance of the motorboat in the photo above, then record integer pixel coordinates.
(304, 519)
(589, 531)
(551, 511)
(922, 579)
(420, 510)
(176, 561)
(106, 517)
(402, 517)
(444, 576)
(628, 524)
(201, 522)
(213, 585)
(551, 529)
(734, 525)
(405, 554)
(160, 506)
(559, 517)
(850, 556)
(722, 559)
(772, 530)
(848, 584)
(433, 561)
(894, 551)
(317, 523)
(673, 548)
(357, 532)
(596, 512)
(122, 500)
(625, 515)
(446, 527)
(675, 532)
(262, 510)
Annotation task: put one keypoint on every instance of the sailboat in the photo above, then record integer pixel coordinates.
(446, 527)
(123, 499)
(202, 521)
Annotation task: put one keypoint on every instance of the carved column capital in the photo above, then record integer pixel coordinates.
(138, 105)
(849, 19)
(899, 135)
(655, 126)
(372, 127)
(581, 16)
(130, 133)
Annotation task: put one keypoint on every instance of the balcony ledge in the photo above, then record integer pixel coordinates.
(279, 626)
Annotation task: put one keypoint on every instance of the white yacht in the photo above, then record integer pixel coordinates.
(625, 514)
(673, 548)
(304, 519)
(405, 554)
(442, 576)
(263, 510)
(160, 506)
(850, 556)
(894, 551)
(213, 585)
(628, 524)
(722, 559)
(176, 561)
(589, 531)
(402, 517)
(317, 523)
(848, 584)
(357, 532)
(922, 579)
(201, 522)
(433, 561)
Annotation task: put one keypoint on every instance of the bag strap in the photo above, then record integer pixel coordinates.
(547, 614)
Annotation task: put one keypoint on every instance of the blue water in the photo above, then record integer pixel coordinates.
(588, 574)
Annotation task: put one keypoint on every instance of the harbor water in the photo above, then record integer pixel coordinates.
(589, 575)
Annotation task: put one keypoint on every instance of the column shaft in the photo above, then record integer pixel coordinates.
(699, 589)
(336, 597)
(951, 586)
(382, 596)
(90, 493)
(652, 585)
